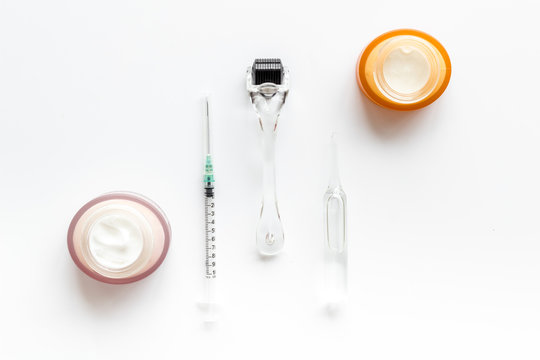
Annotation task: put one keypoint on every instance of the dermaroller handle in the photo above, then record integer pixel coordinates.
(269, 228)
(267, 98)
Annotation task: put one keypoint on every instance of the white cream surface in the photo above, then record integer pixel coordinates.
(406, 70)
(116, 241)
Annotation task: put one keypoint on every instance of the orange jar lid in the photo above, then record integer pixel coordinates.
(403, 70)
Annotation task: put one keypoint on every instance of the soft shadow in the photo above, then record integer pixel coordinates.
(211, 325)
(389, 124)
(105, 298)
(268, 258)
(333, 310)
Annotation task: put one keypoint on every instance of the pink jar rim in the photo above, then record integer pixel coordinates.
(137, 198)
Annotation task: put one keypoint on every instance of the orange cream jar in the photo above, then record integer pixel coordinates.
(403, 70)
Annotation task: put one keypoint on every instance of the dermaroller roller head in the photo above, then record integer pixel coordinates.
(268, 86)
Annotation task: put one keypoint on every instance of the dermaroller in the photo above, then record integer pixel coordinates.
(267, 83)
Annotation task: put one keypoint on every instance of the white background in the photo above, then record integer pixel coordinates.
(444, 245)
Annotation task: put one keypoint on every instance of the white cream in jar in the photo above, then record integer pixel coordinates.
(119, 238)
(116, 241)
(406, 70)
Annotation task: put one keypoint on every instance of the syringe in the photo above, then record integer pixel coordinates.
(209, 212)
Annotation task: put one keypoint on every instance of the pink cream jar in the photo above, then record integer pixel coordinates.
(119, 238)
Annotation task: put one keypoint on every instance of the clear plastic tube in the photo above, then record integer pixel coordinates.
(335, 236)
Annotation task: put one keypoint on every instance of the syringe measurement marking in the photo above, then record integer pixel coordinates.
(210, 262)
